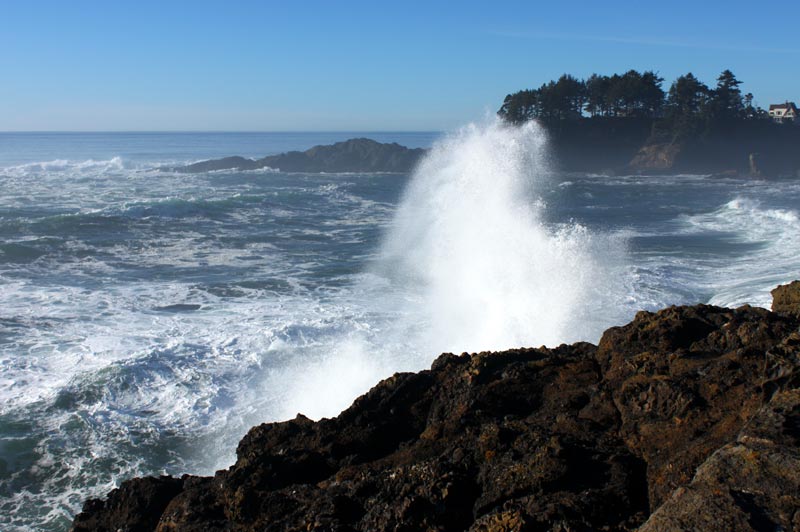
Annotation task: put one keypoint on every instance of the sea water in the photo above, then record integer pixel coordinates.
(148, 318)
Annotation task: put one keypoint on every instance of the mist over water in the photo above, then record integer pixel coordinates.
(148, 319)
(470, 241)
(473, 260)
(469, 264)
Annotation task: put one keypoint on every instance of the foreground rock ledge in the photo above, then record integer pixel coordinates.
(686, 419)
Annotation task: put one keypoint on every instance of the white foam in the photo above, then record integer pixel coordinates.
(470, 239)
(771, 259)
(467, 264)
(66, 166)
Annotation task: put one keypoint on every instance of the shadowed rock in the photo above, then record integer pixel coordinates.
(354, 155)
(682, 419)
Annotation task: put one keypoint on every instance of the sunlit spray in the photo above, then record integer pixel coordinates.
(470, 238)
(469, 264)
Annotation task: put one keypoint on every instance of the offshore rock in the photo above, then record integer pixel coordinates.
(684, 419)
(354, 155)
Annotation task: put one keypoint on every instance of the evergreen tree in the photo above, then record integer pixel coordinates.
(651, 94)
(687, 96)
(568, 96)
(749, 110)
(689, 107)
(596, 91)
(727, 98)
(520, 106)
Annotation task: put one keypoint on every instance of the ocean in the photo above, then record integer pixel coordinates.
(149, 318)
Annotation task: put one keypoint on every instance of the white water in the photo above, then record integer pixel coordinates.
(302, 306)
(748, 278)
(470, 240)
(468, 264)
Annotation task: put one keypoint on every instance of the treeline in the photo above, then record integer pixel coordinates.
(688, 106)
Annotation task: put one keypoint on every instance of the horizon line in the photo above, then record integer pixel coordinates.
(23, 131)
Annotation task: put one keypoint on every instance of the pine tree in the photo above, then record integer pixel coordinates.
(727, 98)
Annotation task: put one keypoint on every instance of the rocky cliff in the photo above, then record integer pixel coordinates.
(684, 419)
(617, 145)
(612, 145)
(354, 155)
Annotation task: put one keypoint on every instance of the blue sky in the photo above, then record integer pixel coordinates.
(347, 65)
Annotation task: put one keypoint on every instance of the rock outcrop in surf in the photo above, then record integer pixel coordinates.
(354, 155)
(683, 419)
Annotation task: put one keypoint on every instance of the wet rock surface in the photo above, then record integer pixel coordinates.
(684, 419)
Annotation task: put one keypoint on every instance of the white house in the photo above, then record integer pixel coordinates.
(784, 111)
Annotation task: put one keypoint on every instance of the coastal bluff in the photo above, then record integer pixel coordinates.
(602, 145)
(354, 155)
(620, 146)
(684, 419)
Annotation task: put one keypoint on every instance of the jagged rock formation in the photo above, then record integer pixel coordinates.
(685, 419)
(786, 298)
(656, 157)
(354, 155)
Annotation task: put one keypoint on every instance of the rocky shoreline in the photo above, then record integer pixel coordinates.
(684, 419)
(614, 147)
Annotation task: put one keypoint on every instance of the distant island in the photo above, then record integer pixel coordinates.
(628, 123)
(354, 155)
(605, 124)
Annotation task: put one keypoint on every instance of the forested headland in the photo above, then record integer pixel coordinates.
(629, 122)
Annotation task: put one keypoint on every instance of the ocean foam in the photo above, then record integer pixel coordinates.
(104, 378)
(471, 242)
(772, 259)
(467, 264)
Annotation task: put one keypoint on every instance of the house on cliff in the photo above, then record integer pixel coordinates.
(784, 112)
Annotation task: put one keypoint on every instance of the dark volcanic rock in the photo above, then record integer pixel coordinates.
(354, 155)
(688, 418)
(226, 163)
(136, 506)
(750, 484)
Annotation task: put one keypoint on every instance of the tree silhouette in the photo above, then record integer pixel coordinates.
(689, 107)
(727, 98)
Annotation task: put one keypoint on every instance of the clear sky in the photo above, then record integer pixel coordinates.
(351, 65)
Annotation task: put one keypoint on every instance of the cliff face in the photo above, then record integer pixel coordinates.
(688, 418)
(604, 144)
(757, 150)
(635, 145)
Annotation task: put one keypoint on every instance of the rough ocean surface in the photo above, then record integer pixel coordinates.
(149, 319)
(684, 419)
